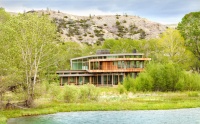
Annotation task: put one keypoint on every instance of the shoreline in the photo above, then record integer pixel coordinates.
(143, 101)
(127, 117)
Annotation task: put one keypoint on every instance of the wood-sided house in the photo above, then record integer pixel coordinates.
(102, 69)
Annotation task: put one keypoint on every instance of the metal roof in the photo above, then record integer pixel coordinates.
(120, 54)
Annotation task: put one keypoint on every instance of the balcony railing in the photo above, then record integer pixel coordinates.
(117, 70)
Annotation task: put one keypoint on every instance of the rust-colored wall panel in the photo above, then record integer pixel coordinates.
(108, 66)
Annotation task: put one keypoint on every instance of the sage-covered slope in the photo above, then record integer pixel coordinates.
(94, 29)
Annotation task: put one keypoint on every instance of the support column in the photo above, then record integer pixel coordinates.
(107, 80)
(76, 81)
(97, 79)
(118, 78)
(90, 79)
(102, 81)
(83, 80)
(112, 79)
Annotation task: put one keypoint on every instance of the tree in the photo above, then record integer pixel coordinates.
(190, 29)
(150, 48)
(68, 50)
(4, 16)
(172, 49)
(6, 79)
(30, 40)
(121, 45)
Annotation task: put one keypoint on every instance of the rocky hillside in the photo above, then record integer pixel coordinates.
(95, 29)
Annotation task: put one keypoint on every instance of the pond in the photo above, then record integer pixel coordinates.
(178, 116)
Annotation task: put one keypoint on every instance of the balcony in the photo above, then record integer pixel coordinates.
(117, 70)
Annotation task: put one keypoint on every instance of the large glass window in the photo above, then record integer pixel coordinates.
(105, 79)
(137, 64)
(132, 65)
(86, 80)
(119, 65)
(80, 80)
(128, 64)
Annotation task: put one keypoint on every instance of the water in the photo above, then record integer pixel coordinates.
(179, 116)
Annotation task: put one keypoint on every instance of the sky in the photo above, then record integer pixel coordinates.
(162, 11)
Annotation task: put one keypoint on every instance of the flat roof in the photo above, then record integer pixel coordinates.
(70, 71)
(120, 54)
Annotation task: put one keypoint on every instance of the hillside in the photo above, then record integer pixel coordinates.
(95, 29)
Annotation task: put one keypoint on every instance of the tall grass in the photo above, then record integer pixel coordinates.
(82, 93)
(137, 101)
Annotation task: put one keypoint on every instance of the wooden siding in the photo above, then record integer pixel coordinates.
(108, 66)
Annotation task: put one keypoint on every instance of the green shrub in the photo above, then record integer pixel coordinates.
(189, 81)
(55, 91)
(124, 21)
(71, 93)
(2, 119)
(117, 23)
(193, 94)
(81, 93)
(180, 85)
(121, 88)
(88, 92)
(128, 83)
(144, 82)
(165, 76)
(41, 89)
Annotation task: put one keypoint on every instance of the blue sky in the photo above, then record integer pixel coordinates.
(162, 11)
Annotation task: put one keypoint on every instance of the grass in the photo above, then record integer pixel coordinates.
(113, 101)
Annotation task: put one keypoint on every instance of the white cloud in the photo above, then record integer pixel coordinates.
(17, 7)
(170, 11)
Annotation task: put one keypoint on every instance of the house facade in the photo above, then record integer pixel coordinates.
(103, 69)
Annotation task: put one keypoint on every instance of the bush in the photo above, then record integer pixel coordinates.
(164, 77)
(88, 92)
(71, 93)
(55, 92)
(128, 83)
(180, 85)
(117, 23)
(80, 93)
(193, 94)
(124, 21)
(121, 88)
(189, 81)
(144, 82)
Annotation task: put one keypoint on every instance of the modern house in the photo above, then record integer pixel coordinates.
(102, 69)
